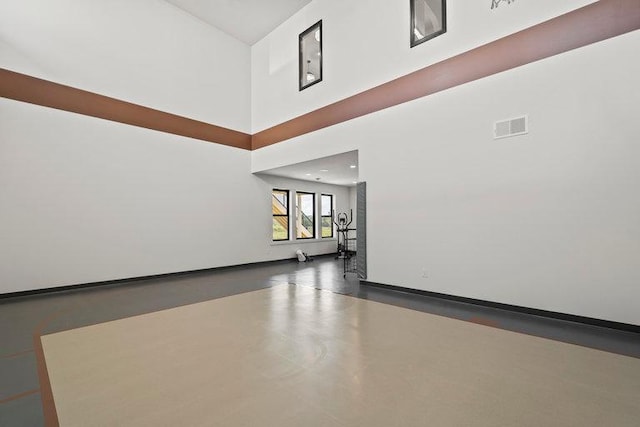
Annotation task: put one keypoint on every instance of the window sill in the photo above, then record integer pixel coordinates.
(303, 241)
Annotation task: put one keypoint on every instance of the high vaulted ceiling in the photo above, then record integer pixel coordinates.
(246, 20)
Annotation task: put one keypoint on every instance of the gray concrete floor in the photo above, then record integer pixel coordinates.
(19, 317)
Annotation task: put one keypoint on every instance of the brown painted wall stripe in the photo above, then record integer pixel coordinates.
(598, 21)
(24, 88)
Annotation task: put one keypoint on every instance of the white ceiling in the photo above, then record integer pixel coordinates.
(338, 170)
(246, 20)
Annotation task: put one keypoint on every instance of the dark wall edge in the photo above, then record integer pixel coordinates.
(63, 288)
(626, 327)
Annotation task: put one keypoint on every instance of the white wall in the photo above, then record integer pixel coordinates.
(85, 200)
(548, 220)
(367, 43)
(147, 52)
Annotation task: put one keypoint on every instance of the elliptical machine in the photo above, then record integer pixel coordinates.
(342, 222)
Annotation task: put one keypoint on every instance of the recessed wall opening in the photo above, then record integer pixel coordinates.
(313, 212)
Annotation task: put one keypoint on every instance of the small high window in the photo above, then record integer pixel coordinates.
(326, 217)
(428, 20)
(305, 215)
(310, 56)
(280, 212)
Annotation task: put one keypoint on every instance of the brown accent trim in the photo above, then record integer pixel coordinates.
(21, 87)
(19, 396)
(46, 395)
(593, 23)
(598, 21)
(18, 354)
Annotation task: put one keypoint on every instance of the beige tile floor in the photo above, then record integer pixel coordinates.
(294, 356)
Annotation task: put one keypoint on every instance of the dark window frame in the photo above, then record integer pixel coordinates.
(315, 207)
(412, 37)
(288, 215)
(330, 216)
(316, 26)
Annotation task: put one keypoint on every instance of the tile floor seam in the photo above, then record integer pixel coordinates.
(19, 395)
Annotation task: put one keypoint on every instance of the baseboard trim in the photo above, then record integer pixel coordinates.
(64, 288)
(626, 327)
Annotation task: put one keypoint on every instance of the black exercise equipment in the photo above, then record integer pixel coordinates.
(346, 245)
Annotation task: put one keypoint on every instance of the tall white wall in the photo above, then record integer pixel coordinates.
(548, 220)
(367, 43)
(85, 200)
(147, 52)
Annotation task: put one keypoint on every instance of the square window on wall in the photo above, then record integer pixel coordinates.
(326, 215)
(280, 213)
(305, 215)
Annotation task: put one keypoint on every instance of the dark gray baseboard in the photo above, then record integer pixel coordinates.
(627, 327)
(63, 288)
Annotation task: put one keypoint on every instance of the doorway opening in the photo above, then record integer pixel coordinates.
(328, 204)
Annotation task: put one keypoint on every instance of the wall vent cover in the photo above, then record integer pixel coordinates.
(511, 127)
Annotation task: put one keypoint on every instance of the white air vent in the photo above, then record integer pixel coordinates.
(511, 127)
